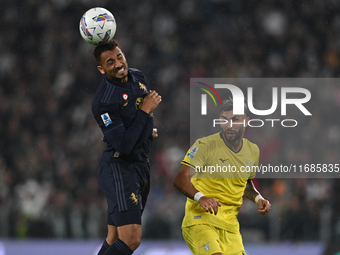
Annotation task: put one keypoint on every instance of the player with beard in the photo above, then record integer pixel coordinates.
(122, 107)
(221, 169)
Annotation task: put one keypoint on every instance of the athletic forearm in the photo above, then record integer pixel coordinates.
(183, 184)
(250, 191)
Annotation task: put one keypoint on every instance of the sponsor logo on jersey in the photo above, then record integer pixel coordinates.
(223, 160)
(199, 142)
(197, 217)
(192, 153)
(106, 119)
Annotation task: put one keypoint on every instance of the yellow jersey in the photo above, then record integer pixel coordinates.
(221, 174)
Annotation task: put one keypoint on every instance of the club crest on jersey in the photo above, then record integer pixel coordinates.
(125, 96)
(141, 86)
(106, 119)
(248, 165)
(206, 246)
(192, 153)
(139, 102)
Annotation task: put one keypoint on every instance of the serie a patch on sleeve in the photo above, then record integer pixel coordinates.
(106, 119)
(192, 153)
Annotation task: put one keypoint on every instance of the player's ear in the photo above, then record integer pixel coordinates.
(101, 70)
(247, 121)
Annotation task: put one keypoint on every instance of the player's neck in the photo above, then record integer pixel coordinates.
(125, 79)
(235, 146)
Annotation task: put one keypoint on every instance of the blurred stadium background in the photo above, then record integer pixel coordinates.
(51, 145)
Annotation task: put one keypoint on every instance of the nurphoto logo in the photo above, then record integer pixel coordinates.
(238, 104)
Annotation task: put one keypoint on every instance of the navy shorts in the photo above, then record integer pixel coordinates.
(126, 187)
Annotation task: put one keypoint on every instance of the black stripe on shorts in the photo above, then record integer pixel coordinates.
(119, 187)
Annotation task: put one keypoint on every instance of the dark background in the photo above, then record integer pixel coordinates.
(51, 145)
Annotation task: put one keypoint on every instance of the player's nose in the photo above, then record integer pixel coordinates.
(228, 125)
(119, 66)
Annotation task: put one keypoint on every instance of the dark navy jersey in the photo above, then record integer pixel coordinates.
(127, 130)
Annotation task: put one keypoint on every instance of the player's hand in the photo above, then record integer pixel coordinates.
(209, 204)
(264, 206)
(154, 133)
(151, 101)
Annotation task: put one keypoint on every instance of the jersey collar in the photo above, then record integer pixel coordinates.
(122, 85)
(221, 135)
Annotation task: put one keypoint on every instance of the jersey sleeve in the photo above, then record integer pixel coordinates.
(252, 173)
(122, 139)
(196, 156)
(138, 75)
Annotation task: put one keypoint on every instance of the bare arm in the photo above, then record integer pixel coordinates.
(251, 193)
(151, 101)
(183, 184)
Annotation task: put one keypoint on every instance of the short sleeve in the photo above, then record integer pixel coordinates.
(196, 155)
(252, 173)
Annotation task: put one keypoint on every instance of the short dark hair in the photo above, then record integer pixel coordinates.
(102, 47)
(227, 105)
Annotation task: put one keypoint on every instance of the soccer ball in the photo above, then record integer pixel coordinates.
(97, 26)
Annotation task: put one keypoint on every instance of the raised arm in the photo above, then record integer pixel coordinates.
(122, 139)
